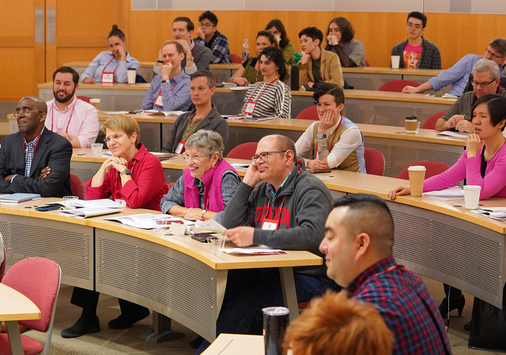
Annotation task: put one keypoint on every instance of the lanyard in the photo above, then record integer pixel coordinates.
(273, 212)
(254, 92)
(333, 137)
(70, 118)
(103, 71)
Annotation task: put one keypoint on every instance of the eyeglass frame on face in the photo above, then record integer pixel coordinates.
(24, 111)
(203, 24)
(115, 138)
(493, 55)
(474, 83)
(188, 157)
(265, 155)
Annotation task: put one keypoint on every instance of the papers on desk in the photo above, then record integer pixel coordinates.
(211, 225)
(164, 113)
(498, 213)
(146, 220)
(451, 193)
(18, 197)
(239, 88)
(449, 96)
(114, 112)
(245, 118)
(453, 134)
(253, 250)
(89, 212)
(241, 165)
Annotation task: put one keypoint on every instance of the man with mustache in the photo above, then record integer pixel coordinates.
(69, 116)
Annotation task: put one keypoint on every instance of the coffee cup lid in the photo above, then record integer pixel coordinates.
(414, 118)
(417, 168)
(131, 69)
(472, 187)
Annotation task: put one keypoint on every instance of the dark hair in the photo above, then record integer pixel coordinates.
(329, 89)
(210, 16)
(368, 214)
(269, 35)
(211, 80)
(279, 26)
(274, 54)
(496, 105)
(499, 44)
(75, 75)
(189, 24)
(420, 16)
(313, 33)
(347, 31)
(116, 32)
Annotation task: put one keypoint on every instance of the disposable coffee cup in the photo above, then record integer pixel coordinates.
(275, 322)
(96, 149)
(416, 177)
(411, 124)
(471, 196)
(395, 61)
(96, 103)
(132, 73)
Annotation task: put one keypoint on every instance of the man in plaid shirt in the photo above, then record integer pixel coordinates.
(209, 36)
(417, 52)
(359, 235)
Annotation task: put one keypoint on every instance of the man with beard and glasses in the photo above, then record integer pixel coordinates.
(69, 116)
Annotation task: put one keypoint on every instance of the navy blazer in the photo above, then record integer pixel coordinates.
(52, 150)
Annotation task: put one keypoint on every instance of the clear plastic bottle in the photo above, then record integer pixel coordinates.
(245, 50)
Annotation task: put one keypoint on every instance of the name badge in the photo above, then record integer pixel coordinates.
(107, 78)
(250, 107)
(180, 147)
(269, 225)
(159, 100)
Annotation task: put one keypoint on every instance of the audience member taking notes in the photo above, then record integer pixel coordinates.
(35, 159)
(203, 116)
(196, 56)
(131, 175)
(111, 66)
(341, 41)
(209, 36)
(417, 52)
(335, 142)
(170, 90)
(68, 115)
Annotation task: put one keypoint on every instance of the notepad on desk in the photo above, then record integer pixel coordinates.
(164, 113)
(89, 212)
(451, 193)
(18, 197)
(147, 220)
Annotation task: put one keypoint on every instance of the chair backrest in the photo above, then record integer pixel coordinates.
(433, 168)
(430, 123)
(38, 279)
(374, 161)
(309, 113)
(397, 85)
(84, 98)
(367, 64)
(234, 58)
(2, 264)
(243, 151)
(169, 185)
(76, 186)
(216, 78)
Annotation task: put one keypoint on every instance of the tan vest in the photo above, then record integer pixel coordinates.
(351, 161)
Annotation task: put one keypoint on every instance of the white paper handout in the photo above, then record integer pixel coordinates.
(254, 250)
(145, 220)
(211, 225)
(451, 193)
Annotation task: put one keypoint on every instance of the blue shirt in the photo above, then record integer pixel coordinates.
(105, 60)
(175, 93)
(405, 305)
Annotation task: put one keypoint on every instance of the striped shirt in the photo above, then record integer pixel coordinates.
(272, 99)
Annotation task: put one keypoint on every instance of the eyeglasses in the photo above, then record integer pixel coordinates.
(116, 137)
(188, 157)
(482, 84)
(203, 24)
(265, 155)
(493, 55)
(25, 111)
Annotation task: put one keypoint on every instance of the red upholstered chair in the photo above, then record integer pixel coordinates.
(216, 78)
(234, 58)
(2, 265)
(169, 186)
(309, 113)
(374, 161)
(367, 64)
(243, 151)
(430, 123)
(433, 168)
(39, 280)
(84, 98)
(397, 85)
(76, 186)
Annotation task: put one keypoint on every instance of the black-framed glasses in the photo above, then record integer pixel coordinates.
(493, 55)
(203, 24)
(265, 155)
(25, 111)
(475, 83)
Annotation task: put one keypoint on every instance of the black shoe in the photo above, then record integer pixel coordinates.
(195, 343)
(82, 326)
(467, 326)
(455, 303)
(126, 321)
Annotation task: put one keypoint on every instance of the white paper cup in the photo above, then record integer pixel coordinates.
(96, 149)
(96, 103)
(416, 178)
(70, 202)
(395, 61)
(471, 196)
(132, 73)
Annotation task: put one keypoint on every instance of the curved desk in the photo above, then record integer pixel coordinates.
(175, 276)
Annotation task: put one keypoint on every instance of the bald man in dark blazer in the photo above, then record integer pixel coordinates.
(44, 148)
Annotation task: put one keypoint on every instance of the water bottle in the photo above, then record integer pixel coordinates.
(245, 50)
